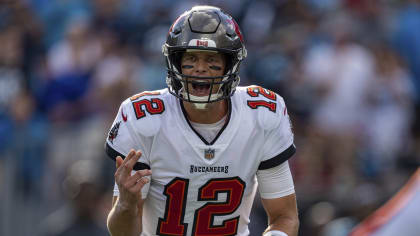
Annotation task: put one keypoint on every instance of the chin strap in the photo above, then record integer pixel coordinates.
(194, 98)
(200, 106)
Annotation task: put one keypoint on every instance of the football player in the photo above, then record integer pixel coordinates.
(203, 144)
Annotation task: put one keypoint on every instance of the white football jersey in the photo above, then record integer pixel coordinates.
(199, 187)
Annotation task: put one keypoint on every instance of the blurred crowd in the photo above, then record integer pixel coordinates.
(349, 71)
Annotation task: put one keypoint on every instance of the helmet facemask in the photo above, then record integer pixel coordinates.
(204, 29)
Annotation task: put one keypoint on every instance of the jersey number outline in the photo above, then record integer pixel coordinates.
(176, 199)
(153, 106)
(255, 91)
(142, 94)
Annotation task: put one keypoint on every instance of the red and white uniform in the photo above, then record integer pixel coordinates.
(199, 187)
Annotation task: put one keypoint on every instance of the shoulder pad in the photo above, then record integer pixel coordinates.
(143, 111)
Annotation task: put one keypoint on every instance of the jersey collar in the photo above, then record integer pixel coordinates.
(220, 131)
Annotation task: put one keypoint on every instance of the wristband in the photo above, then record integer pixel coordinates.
(275, 233)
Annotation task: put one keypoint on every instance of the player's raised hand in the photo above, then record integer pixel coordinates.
(130, 185)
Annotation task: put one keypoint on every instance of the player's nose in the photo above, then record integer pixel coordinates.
(201, 67)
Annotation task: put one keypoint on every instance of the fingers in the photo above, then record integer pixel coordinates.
(139, 185)
(137, 177)
(130, 189)
(125, 168)
(130, 185)
(142, 181)
(118, 161)
(131, 160)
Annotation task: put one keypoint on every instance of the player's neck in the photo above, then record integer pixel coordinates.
(212, 114)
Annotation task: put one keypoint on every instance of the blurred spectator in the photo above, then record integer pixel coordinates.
(30, 135)
(407, 39)
(56, 15)
(81, 216)
(23, 129)
(18, 16)
(116, 74)
(390, 111)
(258, 20)
(65, 97)
(12, 81)
(340, 72)
(70, 64)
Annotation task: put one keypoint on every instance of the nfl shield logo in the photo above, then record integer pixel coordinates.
(209, 154)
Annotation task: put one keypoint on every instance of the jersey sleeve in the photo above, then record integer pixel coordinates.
(275, 182)
(278, 145)
(122, 137)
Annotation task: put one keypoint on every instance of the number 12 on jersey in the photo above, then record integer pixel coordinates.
(255, 91)
(176, 200)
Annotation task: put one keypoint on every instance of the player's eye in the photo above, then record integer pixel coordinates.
(187, 66)
(213, 67)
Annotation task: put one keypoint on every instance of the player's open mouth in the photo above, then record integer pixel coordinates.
(201, 89)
